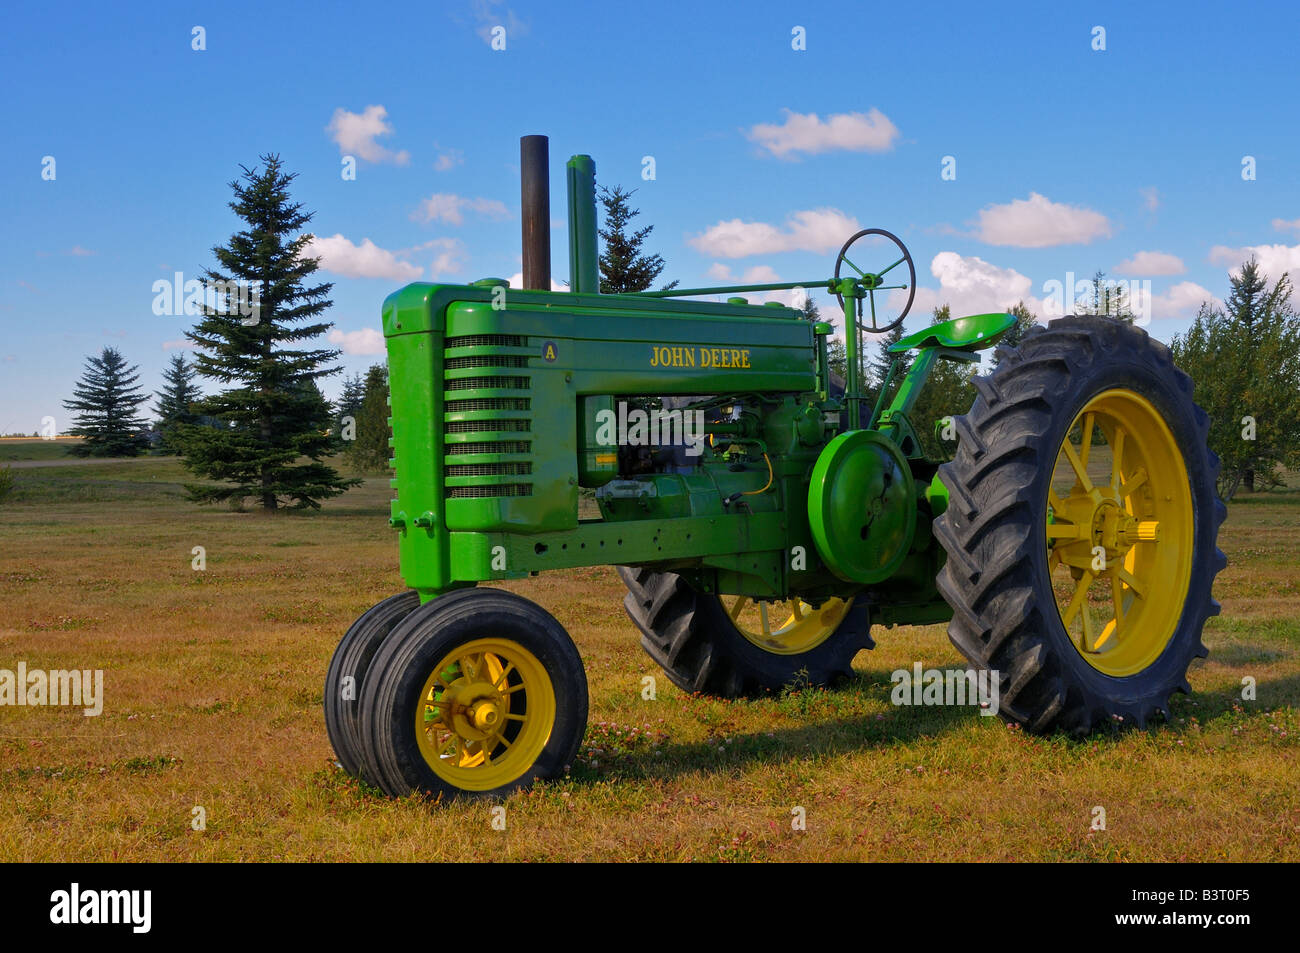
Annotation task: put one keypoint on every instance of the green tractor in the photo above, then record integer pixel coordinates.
(763, 515)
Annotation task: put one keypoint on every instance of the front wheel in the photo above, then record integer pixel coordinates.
(479, 691)
(1082, 527)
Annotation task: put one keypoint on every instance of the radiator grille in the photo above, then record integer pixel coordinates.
(486, 340)
(498, 479)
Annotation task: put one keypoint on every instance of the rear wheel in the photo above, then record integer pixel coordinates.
(733, 645)
(478, 691)
(1082, 527)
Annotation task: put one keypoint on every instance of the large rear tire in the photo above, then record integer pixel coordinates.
(732, 647)
(1083, 576)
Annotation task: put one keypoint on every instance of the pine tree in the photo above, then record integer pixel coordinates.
(1106, 298)
(624, 268)
(354, 392)
(176, 400)
(1244, 361)
(272, 412)
(875, 372)
(370, 452)
(1016, 333)
(105, 400)
(948, 392)
(836, 353)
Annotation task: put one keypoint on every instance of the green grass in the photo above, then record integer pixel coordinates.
(213, 687)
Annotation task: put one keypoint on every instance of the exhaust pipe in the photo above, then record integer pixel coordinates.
(535, 206)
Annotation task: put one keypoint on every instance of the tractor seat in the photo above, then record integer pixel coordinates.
(971, 333)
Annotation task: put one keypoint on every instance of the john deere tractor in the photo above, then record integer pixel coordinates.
(770, 516)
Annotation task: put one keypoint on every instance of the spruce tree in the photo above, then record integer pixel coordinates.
(272, 413)
(105, 401)
(876, 371)
(1244, 361)
(1025, 320)
(176, 400)
(624, 267)
(370, 452)
(1105, 298)
(948, 392)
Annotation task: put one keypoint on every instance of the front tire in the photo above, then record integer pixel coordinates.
(1047, 542)
(476, 692)
(347, 672)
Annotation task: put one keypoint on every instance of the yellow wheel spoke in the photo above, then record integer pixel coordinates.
(762, 611)
(504, 672)
(1117, 453)
(1076, 464)
(1131, 581)
(1080, 600)
(1063, 531)
(513, 717)
(512, 689)
(1085, 443)
(1056, 503)
(1136, 481)
(737, 606)
(796, 609)
(1085, 619)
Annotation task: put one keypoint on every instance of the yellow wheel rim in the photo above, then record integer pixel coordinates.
(485, 714)
(804, 627)
(1119, 533)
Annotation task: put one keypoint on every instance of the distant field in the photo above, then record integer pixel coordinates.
(213, 684)
(29, 448)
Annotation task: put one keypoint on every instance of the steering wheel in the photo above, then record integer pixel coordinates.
(867, 283)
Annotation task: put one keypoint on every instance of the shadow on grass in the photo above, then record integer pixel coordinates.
(859, 731)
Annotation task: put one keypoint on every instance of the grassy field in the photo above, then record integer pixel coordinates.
(213, 700)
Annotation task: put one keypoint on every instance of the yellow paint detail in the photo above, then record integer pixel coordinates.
(1120, 541)
(804, 629)
(606, 458)
(727, 358)
(485, 715)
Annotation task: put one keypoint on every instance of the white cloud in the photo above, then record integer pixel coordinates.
(356, 133)
(366, 260)
(450, 257)
(719, 272)
(365, 341)
(181, 344)
(447, 158)
(517, 281)
(1273, 260)
(488, 18)
(1282, 225)
(445, 207)
(1037, 222)
(854, 132)
(968, 285)
(816, 230)
(1182, 300)
(1150, 198)
(1147, 264)
(79, 252)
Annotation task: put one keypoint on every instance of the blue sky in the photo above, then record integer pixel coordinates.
(1068, 158)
